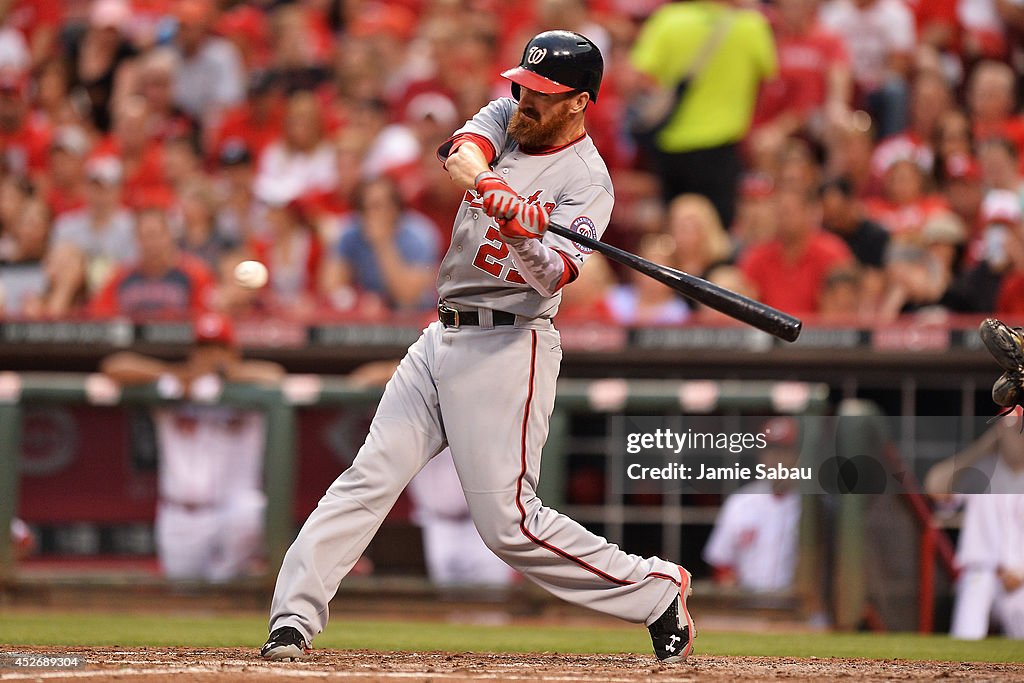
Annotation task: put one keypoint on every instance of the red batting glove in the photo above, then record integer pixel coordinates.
(499, 200)
(530, 221)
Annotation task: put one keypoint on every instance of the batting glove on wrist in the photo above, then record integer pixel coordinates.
(499, 200)
(530, 221)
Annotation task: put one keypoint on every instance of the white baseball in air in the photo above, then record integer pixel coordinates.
(251, 274)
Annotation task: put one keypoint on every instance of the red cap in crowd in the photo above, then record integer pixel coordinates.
(387, 19)
(1001, 206)
(214, 328)
(195, 11)
(105, 169)
(245, 22)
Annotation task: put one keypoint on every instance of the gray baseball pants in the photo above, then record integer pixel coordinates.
(488, 393)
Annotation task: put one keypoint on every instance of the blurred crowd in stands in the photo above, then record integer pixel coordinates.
(861, 163)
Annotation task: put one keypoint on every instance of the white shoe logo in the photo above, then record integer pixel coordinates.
(671, 647)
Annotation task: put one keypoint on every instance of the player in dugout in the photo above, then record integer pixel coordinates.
(209, 522)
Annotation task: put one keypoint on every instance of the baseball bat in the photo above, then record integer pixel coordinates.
(735, 305)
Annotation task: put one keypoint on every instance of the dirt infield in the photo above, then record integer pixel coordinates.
(227, 665)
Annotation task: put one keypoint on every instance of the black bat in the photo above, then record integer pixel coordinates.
(754, 313)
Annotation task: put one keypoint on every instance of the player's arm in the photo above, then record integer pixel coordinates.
(466, 163)
(545, 269)
(547, 261)
(373, 374)
(131, 369)
(468, 167)
(940, 481)
(471, 150)
(488, 129)
(255, 372)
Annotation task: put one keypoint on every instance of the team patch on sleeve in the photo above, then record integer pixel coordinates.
(584, 226)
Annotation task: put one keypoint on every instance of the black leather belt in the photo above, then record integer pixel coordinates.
(451, 317)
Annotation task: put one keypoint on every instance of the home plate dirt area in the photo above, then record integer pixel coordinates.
(226, 665)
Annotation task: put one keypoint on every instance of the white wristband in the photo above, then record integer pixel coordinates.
(168, 386)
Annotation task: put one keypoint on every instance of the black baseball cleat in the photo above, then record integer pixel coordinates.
(673, 633)
(1005, 343)
(285, 643)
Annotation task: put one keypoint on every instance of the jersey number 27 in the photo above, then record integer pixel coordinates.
(491, 255)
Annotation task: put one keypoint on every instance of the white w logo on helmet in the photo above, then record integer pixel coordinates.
(536, 55)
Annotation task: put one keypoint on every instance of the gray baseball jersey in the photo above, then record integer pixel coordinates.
(486, 392)
(571, 182)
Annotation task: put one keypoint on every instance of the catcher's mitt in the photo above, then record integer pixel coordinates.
(1006, 344)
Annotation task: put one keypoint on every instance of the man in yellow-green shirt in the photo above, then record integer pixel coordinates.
(697, 150)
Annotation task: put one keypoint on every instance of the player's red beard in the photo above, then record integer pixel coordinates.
(532, 133)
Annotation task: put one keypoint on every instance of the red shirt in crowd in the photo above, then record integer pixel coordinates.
(794, 285)
(181, 292)
(802, 83)
(62, 199)
(1011, 295)
(144, 181)
(931, 14)
(904, 219)
(244, 123)
(28, 16)
(27, 149)
(249, 29)
(1011, 128)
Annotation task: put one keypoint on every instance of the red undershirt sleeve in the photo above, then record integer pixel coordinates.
(452, 144)
(570, 273)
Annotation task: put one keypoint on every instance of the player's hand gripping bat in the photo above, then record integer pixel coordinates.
(734, 305)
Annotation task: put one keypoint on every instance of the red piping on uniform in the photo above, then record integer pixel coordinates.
(522, 474)
(542, 151)
(519, 490)
(569, 273)
(659, 575)
(691, 632)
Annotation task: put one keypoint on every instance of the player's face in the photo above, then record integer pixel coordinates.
(541, 119)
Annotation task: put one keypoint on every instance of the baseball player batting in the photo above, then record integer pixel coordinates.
(481, 380)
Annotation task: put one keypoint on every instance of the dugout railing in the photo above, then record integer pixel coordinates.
(596, 401)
